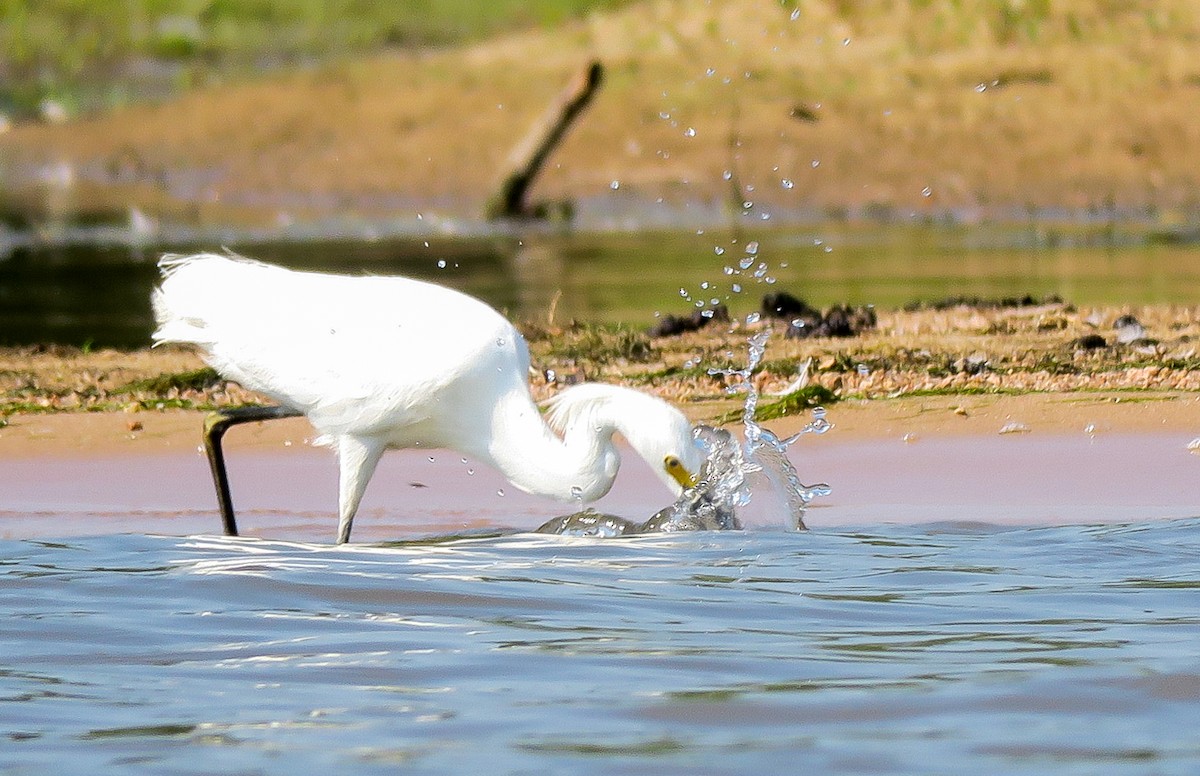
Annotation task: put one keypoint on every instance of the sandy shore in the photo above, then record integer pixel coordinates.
(967, 414)
(911, 418)
(1012, 460)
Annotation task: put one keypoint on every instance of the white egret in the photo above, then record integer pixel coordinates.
(390, 362)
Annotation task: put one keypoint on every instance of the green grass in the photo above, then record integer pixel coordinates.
(794, 403)
(602, 344)
(77, 51)
(195, 380)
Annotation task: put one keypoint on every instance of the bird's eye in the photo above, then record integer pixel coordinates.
(671, 462)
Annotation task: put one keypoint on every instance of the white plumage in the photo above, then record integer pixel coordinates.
(391, 362)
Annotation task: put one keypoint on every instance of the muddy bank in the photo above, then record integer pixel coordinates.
(961, 351)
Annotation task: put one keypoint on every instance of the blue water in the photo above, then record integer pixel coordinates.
(947, 648)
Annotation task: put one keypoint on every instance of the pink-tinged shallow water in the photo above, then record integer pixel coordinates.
(955, 609)
(1019, 479)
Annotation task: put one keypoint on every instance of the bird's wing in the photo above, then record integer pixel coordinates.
(351, 352)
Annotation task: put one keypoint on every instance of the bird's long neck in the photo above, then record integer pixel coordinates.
(581, 465)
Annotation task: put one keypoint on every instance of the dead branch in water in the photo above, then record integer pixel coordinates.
(527, 158)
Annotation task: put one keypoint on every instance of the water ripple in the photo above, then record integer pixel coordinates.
(902, 649)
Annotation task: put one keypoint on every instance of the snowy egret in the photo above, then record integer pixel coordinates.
(390, 362)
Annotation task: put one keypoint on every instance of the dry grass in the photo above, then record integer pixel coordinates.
(988, 106)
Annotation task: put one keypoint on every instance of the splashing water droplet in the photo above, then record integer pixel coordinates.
(500, 492)
(752, 247)
(787, 183)
(689, 132)
(441, 263)
(795, 14)
(718, 250)
(927, 191)
(615, 185)
(725, 477)
(816, 163)
(727, 175)
(753, 318)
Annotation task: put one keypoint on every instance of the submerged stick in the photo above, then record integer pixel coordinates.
(528, 157)
(215, 426)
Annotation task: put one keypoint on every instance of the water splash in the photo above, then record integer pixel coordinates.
(727, 478)
(762, 450)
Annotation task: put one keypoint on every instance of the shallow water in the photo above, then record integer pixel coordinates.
(99, 292)
(940, 648)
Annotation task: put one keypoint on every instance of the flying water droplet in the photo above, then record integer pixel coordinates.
(927, 191)
(787, 183)
(689, 132)
(752, 247)
(441, 263)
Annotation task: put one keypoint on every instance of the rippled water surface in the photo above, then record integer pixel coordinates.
(938, 648)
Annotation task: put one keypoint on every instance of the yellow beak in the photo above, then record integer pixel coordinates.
(682, 476)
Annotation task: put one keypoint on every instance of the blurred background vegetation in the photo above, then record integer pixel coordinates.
(282, 111)
(87, 55)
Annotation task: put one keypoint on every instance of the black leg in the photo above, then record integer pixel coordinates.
(215, 426)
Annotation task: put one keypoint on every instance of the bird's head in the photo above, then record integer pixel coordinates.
(657, 431)
(664, 438)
